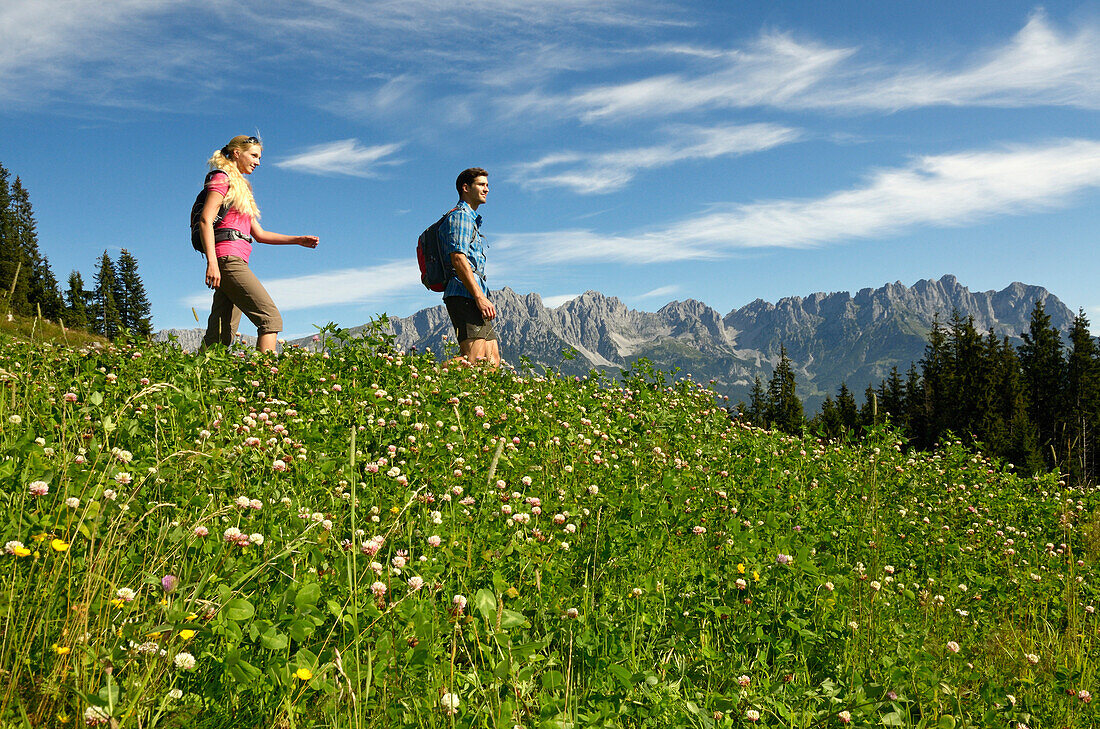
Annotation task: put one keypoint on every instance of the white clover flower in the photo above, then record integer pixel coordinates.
(184, 661)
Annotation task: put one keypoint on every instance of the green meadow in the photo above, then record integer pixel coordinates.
(370, 538)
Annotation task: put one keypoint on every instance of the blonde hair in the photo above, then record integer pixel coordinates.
(239, 196)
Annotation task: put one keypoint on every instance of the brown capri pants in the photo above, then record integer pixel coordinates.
(467, 319)
(240, 291)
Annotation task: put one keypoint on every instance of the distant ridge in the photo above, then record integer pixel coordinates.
(830, 337)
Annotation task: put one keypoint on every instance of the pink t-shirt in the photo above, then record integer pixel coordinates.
(235, 219)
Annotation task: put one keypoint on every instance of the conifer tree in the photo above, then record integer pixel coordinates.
(13, 279)
(76, 302)
(758, 404)
(105, 319)
(42, 293)
(1043, 369)
(133, 306)
(1082, 400)
(846, 407)
(784, 409)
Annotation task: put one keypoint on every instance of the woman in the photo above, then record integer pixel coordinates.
(229, 222)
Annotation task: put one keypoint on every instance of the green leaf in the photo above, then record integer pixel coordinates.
(512, 619)
(893, 719)
(238, 609)
(307, 596)
(486, 604)
(625, 677)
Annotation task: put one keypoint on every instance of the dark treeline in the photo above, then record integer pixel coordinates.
(1036, 405)
(28, 286)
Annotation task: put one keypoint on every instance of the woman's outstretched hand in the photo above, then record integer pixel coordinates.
(306, 241)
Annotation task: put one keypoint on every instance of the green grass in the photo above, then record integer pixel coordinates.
(592, 552)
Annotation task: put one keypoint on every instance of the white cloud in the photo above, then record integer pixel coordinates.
(659, 293)
(372, 284)
(553, 302)
(344, 157)
(1040, 65)
(609, 171)
(941, 190)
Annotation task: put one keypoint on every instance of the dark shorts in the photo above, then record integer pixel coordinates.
(467, 319)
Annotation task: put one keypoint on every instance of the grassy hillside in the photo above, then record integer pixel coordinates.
(370, 539)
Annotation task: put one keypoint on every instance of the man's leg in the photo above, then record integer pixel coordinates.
(481, 349)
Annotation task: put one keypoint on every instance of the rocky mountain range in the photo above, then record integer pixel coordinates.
(831, 338)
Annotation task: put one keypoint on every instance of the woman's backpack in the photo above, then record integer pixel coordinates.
(196, 213)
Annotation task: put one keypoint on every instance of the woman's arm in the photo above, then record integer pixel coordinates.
(206, 231)
(278, 239)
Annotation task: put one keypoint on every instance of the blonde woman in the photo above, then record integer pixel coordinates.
(228, 224)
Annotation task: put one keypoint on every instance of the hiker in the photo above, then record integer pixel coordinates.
(466, 295)
(227, 225)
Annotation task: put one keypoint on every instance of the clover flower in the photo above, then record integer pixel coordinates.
(752, 715)
(434, 540)
(450, 703)
(96, 715)
(952, 646)
(415, 583)
(38, 488)
(184, 661)
(845, 717)
(125, 594)
(743, 680)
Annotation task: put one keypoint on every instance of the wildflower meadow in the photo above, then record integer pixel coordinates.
(368, 538)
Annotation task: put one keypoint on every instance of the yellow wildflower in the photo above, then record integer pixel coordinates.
(394, 510)
(59, 546)
(61, 649)
(22, 552)
(192, 616)
(40, 537)
(756, 575)
(741, 568)
(304, 674)
(187, 634)
(118, 602)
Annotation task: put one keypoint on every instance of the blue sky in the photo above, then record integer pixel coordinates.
(723, 151)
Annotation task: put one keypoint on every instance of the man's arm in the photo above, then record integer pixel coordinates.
(469, 279)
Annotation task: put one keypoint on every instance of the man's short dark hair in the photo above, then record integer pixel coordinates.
(467, 177)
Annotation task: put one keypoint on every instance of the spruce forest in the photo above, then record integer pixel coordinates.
(1035, 404)
(115, 303)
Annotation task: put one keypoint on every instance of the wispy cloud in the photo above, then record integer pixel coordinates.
(605, 172)
(940, 190)
(368, 285)
(1040, 65)
(659, 293)
(344, 157)
(553, 302)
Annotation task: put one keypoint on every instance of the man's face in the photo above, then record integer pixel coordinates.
(477, 191)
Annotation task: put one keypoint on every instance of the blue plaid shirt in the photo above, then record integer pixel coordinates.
(460, 232)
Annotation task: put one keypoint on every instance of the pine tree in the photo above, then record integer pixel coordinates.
(105, 319)
(1082, 400)
(828, 421)
(784, 409)
(846, 407)
(42, 293)
(13, 279)
(133, 306)
(1043, 374)
(936, 376)
(76, 302)
(758, 404)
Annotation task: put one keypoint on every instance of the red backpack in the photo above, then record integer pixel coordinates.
(435, 270)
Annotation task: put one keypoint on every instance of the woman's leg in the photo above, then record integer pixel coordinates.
(249, 295)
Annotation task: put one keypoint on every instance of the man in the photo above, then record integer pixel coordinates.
(466, 295)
